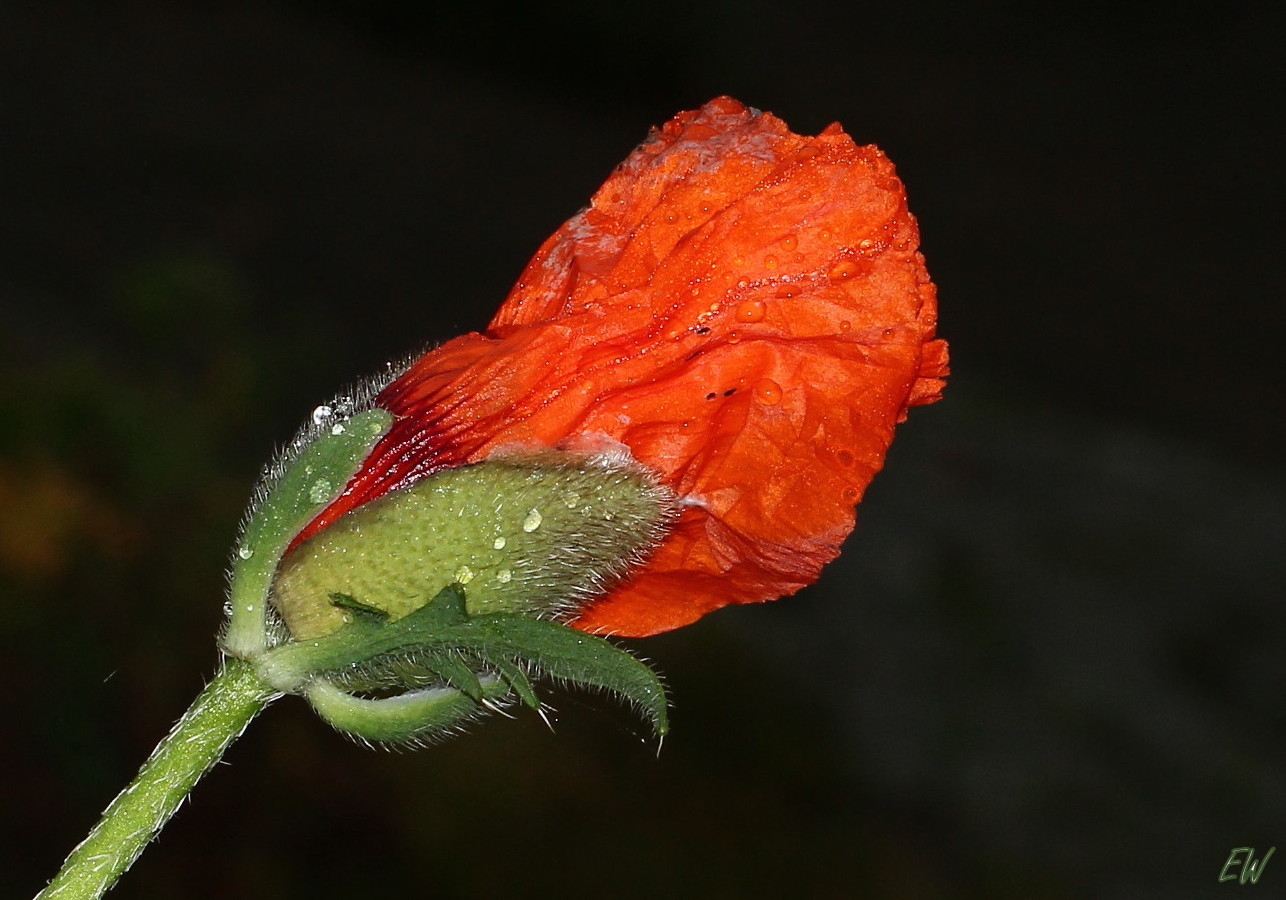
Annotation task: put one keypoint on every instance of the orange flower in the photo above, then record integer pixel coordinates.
(742, 307)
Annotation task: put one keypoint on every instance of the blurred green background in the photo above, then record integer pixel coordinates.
(1049, 663)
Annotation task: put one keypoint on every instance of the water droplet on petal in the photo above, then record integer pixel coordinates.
(845, 325)
(572, 500)
(845, 458)
(499, 543)
(842, 271)
(750, 311)
(321, 414)
(532, 522)
(464, 575)
(768, 392)
(789, 243)
(770, 261)
(504, 576)
(245, 553)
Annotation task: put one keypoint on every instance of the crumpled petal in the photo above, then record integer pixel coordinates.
(746, 310)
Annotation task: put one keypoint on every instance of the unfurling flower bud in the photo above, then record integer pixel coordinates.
(742, 313)
(537, 535)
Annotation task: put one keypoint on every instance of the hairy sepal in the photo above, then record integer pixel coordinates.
(422, 716)
(422, 676)
(539, 535)
(308, 476)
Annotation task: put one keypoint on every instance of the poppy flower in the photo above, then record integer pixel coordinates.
(745, 310)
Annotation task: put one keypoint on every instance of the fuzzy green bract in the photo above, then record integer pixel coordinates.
(444, 666)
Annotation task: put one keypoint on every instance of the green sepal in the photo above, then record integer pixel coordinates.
(454, 671)
(441, 642)
(447, 609)
(535, 534)
(305, 484)
(420, 715)
(516, 678)
(566, 654)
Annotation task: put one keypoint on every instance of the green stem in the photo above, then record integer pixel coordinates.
(198, 740)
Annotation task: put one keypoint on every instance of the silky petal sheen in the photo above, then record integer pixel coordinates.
(742, 307)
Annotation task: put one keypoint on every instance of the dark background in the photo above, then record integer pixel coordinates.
(1050, 662)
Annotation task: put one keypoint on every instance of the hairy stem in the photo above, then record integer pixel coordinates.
(198, 740)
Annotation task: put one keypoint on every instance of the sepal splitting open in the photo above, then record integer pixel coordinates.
(419, 676)
(292, 493)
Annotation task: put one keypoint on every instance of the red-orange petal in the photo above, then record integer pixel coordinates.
(746, 309)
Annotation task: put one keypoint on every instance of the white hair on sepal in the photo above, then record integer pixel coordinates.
(252, 620)
(403, 675)
(583, 561)
(430, 732)
(537, 531)
(573, 688)
(442, 734)
(324, 418)
(367, 683)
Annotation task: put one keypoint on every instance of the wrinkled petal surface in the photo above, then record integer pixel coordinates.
(746, 310)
